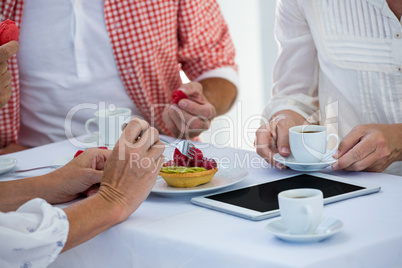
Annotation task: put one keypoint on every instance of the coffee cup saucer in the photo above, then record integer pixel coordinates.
(291, 162)
(91, 141)
(328, 227)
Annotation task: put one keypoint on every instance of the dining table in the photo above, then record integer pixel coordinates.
(168, 230)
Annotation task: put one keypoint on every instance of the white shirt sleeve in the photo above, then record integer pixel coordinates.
(32, 236)
(227, 73)
(296, 69)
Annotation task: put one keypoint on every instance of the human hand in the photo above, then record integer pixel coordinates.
(273, 137)
(78, 176)
(132, 168)
(6, 52)
(190, 117)
(371, 147)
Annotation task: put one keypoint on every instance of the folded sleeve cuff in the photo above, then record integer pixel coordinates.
(280, 105)
(227, 73)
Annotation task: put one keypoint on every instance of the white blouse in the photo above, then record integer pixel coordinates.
(340, 62)
(32, 236)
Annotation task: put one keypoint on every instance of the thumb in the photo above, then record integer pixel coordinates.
(8, 50)
(191, 88)
(283, 141)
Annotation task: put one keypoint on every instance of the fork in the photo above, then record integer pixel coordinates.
(185, 147)
(31, 169)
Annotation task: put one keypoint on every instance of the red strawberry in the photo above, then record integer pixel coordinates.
(78, 153)
(180, 159)
(177, 95)
(8, 31)
(198, 154)
(197, 163)
(209, 163)
(198, 158)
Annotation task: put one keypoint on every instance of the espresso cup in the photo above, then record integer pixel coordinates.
(308, 143)
(301, 210)
(109, 124)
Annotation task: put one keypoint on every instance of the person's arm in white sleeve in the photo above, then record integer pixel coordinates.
(294, 92)
(37, 232)
(296, 69)
(32, 236)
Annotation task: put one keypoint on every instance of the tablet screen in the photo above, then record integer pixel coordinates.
(264, 197)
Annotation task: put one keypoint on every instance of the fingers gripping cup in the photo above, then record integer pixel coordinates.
(308, 143)
(301, 210)
(109, 122)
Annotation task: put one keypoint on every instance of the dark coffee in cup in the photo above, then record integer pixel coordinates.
(309, 131)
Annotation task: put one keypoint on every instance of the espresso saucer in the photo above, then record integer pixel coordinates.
(291, 162)
(328, 227)
(7, 164)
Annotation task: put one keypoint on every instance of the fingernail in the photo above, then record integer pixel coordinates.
(335, 167)
(285, 150)
(183, 89)
(183, 103)
(279, 166)
(336, 155)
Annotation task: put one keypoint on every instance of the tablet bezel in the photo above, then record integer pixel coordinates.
(257, 215)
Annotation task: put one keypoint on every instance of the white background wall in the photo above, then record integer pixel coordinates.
(251, 25)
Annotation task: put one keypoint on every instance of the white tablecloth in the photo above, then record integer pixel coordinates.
(166, 232)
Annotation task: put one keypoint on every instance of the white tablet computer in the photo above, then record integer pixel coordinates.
(260, 201)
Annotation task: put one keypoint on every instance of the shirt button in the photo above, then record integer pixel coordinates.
(398, 35)
(400, 69)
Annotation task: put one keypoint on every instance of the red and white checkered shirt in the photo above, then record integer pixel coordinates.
(152, 41)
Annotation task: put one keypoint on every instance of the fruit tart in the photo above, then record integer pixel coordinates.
(184, 172)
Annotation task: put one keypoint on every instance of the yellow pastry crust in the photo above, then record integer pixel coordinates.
(187, 180)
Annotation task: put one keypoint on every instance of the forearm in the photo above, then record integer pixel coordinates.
(90, 217)
(220, 93)
(398, 133)
(15, 193)
(296, 118)
(12, 148)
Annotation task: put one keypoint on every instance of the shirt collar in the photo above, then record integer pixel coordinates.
(383, 6)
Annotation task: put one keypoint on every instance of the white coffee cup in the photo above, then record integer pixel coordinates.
(109, 123)
(301, 210)
(308, 143)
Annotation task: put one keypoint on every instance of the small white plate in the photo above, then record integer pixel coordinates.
(7, 164)
(90, 141)
(223, 178)
(291, 162)
(328, 227)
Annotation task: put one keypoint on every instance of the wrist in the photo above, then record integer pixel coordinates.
(220, 92)
(398, 132)
(289, 116)
(113, 201)
(90, 217)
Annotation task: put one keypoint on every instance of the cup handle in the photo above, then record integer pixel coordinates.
(329, 154)
(87, 123)
(309, 211)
